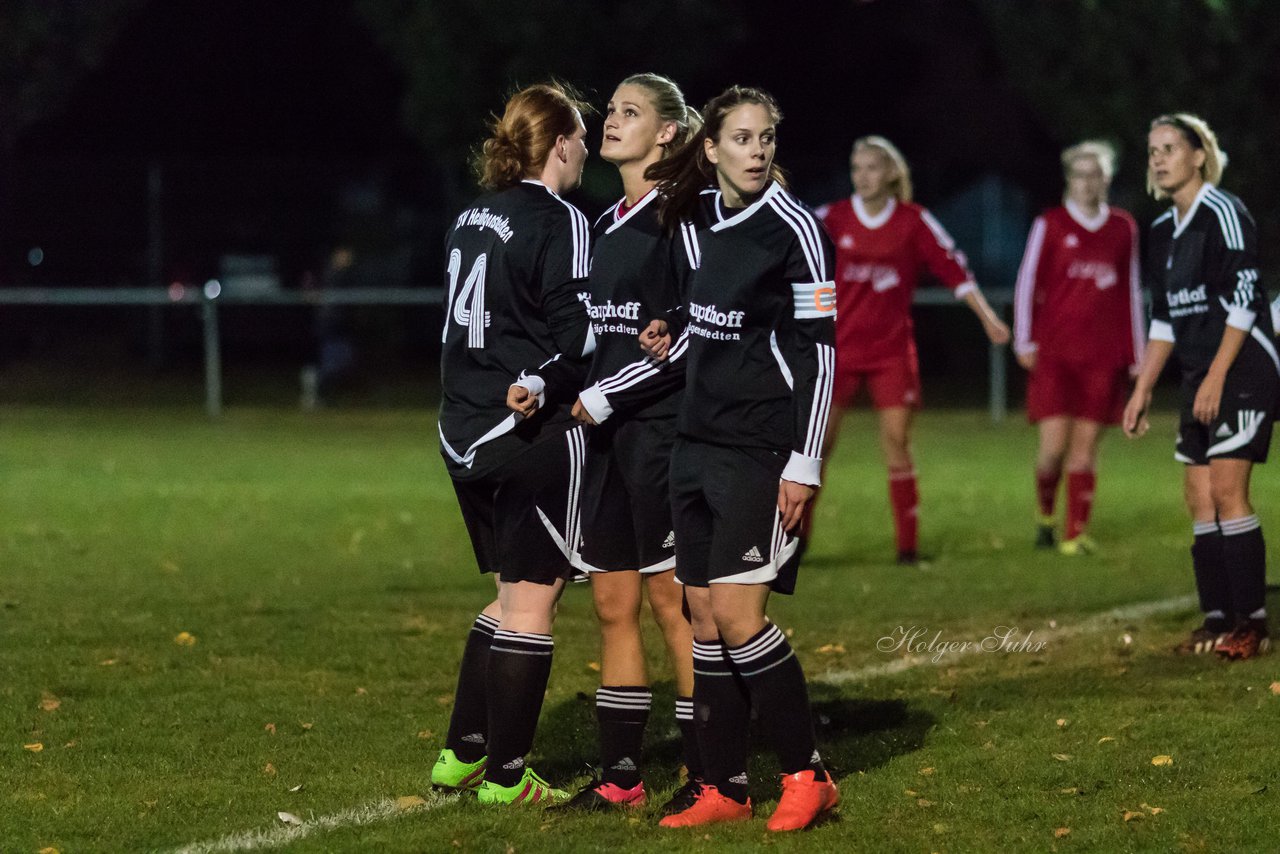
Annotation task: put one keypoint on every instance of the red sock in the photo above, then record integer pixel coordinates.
(1080, 486)
(1047, 489)
(904, 497)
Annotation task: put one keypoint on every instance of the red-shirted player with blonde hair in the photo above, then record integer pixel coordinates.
(884, 243)
(1078, 330)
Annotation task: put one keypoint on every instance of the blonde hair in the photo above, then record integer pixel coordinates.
(1099, 150)
(668, 103)
(521, 140)
(1199, 136)
(901, 184)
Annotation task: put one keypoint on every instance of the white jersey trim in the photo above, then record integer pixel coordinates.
(1228, 219)
(1024, 289)
(1088, 223)
(468, 459)
(1180, 223)
(640, 203)
(773, 189)
(808, 230)
(869, 221)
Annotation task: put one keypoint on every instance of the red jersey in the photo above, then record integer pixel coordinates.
(1077, 296)
(879, 261)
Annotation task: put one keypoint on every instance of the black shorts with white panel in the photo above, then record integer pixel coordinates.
(1242, 428)
(523, 517)
(626, 498)
(724, 501)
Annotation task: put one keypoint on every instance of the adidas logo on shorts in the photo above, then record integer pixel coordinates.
(1223, 431)
(670, 541)
(624, 764)
(753, 555)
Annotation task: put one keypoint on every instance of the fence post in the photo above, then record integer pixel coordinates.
(212, 350)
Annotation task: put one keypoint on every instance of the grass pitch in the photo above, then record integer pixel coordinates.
(197, 619)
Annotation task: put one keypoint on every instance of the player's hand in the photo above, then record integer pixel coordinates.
(792, 499)
(1027, 360)
(1134, 422)
(580, 412)
(997, 331)
(1208, 398)
(655, 340)
(521, 401)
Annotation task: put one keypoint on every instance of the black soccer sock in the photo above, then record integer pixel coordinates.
(519, 665)
(689, 738)
(722, 714)
(1244, 555)
(470, 719)
(781, 697)
(622, 711)
(1211, 575)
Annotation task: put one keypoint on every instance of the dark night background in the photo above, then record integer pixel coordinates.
(140, 142)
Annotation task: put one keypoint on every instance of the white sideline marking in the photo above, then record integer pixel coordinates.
(376, 811)
(283, 834)
(1092, 624)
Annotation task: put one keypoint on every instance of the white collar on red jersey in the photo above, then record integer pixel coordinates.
(1180, 223)
(1077, 213)
(869, 221)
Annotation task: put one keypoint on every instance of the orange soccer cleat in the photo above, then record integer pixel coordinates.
(805, 797)
(709, 807)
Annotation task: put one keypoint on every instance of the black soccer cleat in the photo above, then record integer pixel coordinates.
(683, 797)
(1045, 538)
(603, 797)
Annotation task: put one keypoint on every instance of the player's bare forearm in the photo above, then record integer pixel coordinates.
(1153, 362)
(995, 328)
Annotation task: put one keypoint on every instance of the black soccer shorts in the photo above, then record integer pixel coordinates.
(626, 499)
(724, 502)
(1242, 429)
(523, 517)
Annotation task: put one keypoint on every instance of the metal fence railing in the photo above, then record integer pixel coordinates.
(211, 296)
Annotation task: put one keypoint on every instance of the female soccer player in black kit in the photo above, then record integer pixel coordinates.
(1209, 308)
(759, 356)
(517, 261)
(638, 272)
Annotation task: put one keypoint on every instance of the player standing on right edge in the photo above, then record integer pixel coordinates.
(1209, 307)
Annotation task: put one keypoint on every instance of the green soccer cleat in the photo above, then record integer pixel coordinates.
(529, 789)
(450, 772)
(1079, 546)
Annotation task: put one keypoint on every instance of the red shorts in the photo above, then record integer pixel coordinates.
(892, 383)
(1057, 388)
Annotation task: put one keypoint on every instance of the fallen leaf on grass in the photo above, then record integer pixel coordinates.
(911, 793)
(790, 633)
(1105, 739)
(593, 665)
(48, 851)
(1275, 687)
(1153, 810)
(108, 662)
(831, 648)
(360, 692)
(49, 703)
(409, 802)
(289, 818)
(926, 772)
(924, 803)
(34, 747)
(269, 770)
(425, 733)
(940, 828)
(1130, 815)
(270, 727)
(306, 726)
(69, 744)
(1062, 757)
(184, 639)
(150, 804)
(1061, 832)
(444, 699)
(1062, 721)
(1073, 790)
(297, 788)
(1162, 760)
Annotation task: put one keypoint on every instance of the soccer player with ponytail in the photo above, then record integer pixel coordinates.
(517, 260)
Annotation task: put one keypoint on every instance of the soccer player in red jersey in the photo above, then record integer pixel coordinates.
(1078, 331)
(884, 243)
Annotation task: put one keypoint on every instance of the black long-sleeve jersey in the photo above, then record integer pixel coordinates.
(1202, 272)
(515, 299)
(760, 339)
(639, 272)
